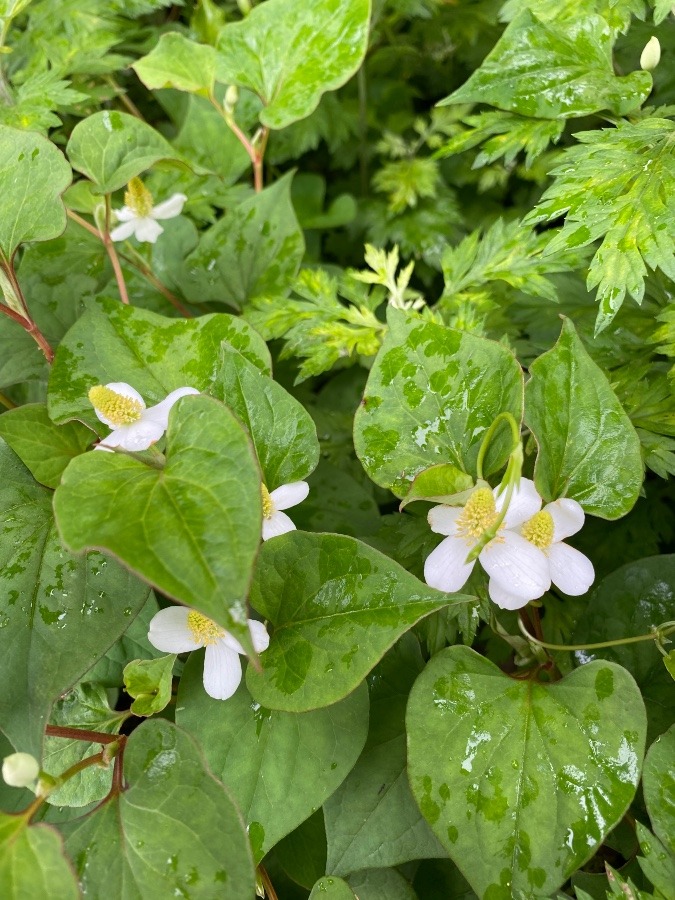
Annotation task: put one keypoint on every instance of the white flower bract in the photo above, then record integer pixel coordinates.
(134, 426)
(20, 769)
(178, 629)
(276, 522)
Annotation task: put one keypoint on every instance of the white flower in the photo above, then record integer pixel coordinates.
(135, 426)
(139, 216)
(651, 55)
(20, 769)
(177, 629)
(516, 567)
(276, 522)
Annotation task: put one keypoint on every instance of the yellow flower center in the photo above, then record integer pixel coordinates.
(118, 409)
(478, 514)
(203, 630)
(539, 530)
(138, 198)
(267, 503)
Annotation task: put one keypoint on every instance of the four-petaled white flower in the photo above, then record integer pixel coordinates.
(139, 217)
(515, 565)
(135, 426)
(178, 629)
(276, 522)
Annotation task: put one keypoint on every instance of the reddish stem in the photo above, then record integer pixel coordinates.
(25, 320)
(112, 253)
(81, 734)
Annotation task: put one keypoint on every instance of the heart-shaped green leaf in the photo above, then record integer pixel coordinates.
(243, 748)
(588, 448)
(381, 884)
(439, 484)
(33, 175)
(336, 606)
(291, 60)
(177, 62)
(331, 888)
(658, 784)
(431, 395)
(138, 844)
(521, 781)
(192, 528)
(32, 862)
(112, 342)
(58, 614)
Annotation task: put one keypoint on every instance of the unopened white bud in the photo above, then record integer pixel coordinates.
(231, 96)
(651, 54)
(20, 769)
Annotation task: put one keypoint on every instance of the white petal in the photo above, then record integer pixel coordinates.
(169, 631)
(289, 494)
(503, 598)
(148, 230)
(443, 519)
(568, 518)
(278, 523)
(126, 214)
(222, 671)
(259, 635)
(135, 437)
(445, 567)
(571, 571)
(525, 502)
(517, 565)
(124, 231)
(170, 208)
(160, 413)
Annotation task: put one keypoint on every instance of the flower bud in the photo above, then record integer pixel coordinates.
(20, 769)
(231, 96)
(651, 54)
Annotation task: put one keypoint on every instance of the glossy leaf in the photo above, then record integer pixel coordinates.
(381, 884)
(658, 784)
(588, 448)
(32, 862)
(138, 845)
(246, 744)
(254, 249)
(148, 681)
(108, 671)
(551, 69)
(657, 862)
(43, 447)
(112, 147)
(439, 484)
(33, 175)
(521, 781)
(282, 431)
(177, 62)
(331, 888)
(112, 342)
(291, 60)
(630, 602)
(58, 613)
(431, 395)
(336, 606)
(191, 528)
(372, 819)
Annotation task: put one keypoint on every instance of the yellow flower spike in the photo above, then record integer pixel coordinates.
(138, 198)
(267, 503)
(118, 409)
(479, 513)
(205, 631)
(539, 530)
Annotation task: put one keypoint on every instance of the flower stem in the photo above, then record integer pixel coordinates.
(656, 634)
(112, 253)
(270, 893)
(81, 734)
(487, 437)
(254, 148)
(6, 402)
(23, 317)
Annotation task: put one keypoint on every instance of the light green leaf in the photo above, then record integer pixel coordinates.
(441, 484)
(177, 62)
(282, 431)
(657, 862)
(336, 606)
(372, 820)
(139, 845)
(33, 175)
(254, 249)
(658, 784)
(331, 888)
(32, 862)
(381, 884)
(58, 613)
(149, 682)
(561, 68)
(588, 448)
(45, 448)
(112, 342)
(244, 745)
(290, 60)
(431, 395)
(476, 741)
(112, 147)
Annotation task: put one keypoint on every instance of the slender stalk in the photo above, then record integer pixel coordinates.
(112, 253)
(84, 224)
(121, 94)
(258, 182)
(6, 402)
(25, 319)
(270, 893)
(81, 734)
(99, 759)
(255, 154)
(487, 437)
(652, 636)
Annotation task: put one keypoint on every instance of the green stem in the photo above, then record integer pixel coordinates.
(655, 635)
(487, 437)
(112, 253)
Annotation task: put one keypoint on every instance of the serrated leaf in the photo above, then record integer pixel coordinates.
(431, 395)
(291, 60)
(336, 606)
(160, 521)
(658, 784)
(58, 613)
(32, 862)
(476, 739)
(177, 62)
(148, 681)
(199, 836)
(243, 748)
(587, 447)
(552, 69)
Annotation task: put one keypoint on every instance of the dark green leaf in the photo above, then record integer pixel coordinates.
(657, 862)
(302, 853)
(658, 784)
(381, 884)
(330, 888)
